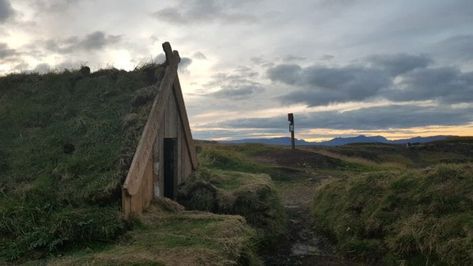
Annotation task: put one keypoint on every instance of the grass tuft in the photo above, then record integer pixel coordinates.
(422, 216)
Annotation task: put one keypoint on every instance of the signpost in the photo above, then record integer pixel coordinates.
(290, 118)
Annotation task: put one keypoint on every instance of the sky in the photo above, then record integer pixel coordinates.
(397, 68)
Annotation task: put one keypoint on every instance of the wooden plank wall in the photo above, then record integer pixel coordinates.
(138, 188)
(166, 120)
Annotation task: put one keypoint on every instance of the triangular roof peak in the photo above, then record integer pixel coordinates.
(139, 179)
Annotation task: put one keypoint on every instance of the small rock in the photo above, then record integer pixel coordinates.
(300, 249)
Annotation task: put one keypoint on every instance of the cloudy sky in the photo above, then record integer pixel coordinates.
(397, 68)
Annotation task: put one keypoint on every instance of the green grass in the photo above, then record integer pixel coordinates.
(382, 203)
(163, 237)
(280, 163)
(421, 216)
(227, 158)
(452, 150)
(242, 188)
(66, 143)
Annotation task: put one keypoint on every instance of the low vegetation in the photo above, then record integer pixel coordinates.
(252, 196)
(382, 156)
(66, 142)
(385, 204)
(245, 192)
(166, 235)
(422, 216)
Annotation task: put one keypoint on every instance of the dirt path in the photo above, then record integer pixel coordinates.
(301, 246)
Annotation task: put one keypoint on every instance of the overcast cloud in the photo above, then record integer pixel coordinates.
(6, 52)
(203, 11)
(92, 41)
(386, 117)
(399, 77)
(346, 66)
(6, 11)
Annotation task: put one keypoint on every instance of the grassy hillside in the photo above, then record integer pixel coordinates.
(422, 215)
(453, 150)
(279, 162)
(66, 142)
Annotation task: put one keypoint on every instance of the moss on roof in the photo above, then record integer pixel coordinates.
(66, 143)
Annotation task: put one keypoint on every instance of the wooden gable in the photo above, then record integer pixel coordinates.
(145, 173)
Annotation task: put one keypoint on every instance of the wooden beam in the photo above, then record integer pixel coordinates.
(172, 57)
(138, 187)
(145, 146)
(168, 52)
(185, 122)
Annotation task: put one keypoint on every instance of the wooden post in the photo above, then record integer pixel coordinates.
(290, 118)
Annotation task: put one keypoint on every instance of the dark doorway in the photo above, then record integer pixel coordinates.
(169, 167)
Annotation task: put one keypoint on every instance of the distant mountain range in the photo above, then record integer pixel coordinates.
(338, 141)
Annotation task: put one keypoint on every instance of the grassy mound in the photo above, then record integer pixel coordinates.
(166, 235)
(226, 157)
(242, 158)
(281, 163)
(229, 183)
(252, 196)
(66, 142)
(422, 216)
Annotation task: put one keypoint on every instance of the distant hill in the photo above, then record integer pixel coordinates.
(271, 141)
(419, 139)
(338, 141)
(359, 139)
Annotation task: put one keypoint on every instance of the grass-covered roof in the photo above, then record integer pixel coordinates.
(66, 142)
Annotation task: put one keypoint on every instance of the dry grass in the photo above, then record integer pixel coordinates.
(175, 237)
(453, 150)
(422, 216)
(240, 189)
(229, 192)
(398, 164)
